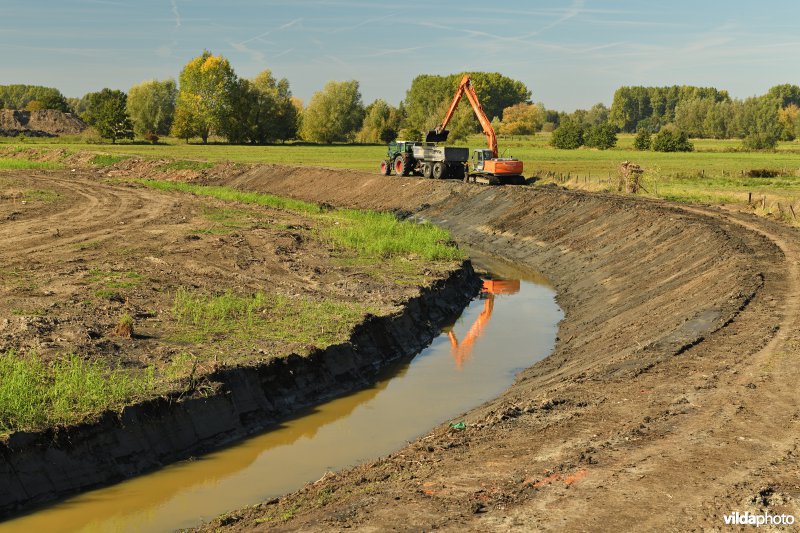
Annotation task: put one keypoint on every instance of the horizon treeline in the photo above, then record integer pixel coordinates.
(209, 99)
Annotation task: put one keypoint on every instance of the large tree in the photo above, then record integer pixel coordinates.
(522, 119)
(151, 106)
(106, 112)
(264, 111)
(207, 87)
(334, 114)
(381, 122)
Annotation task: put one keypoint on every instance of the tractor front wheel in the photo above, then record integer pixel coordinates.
(386, 168)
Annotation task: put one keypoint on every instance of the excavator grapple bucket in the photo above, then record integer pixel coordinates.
(433, 137)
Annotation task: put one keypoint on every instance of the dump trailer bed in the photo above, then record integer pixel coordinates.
(448, 154)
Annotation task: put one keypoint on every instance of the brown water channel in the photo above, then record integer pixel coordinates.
(504, 331)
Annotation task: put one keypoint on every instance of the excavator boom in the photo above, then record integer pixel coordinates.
(465, 88)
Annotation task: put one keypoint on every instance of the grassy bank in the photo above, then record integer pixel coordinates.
(198, 328)
(7, 163)
(369, 234)
(35, 393)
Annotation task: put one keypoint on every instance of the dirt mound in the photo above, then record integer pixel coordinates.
(42, 123)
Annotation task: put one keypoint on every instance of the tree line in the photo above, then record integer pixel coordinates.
(209, 99)
(705, 112)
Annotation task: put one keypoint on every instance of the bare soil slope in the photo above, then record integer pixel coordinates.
(41, 123)
(671, 397)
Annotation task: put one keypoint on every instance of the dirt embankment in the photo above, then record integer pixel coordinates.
(81, 251)
(41, 123)
(670, 398)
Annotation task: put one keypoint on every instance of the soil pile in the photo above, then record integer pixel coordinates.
(42, 123)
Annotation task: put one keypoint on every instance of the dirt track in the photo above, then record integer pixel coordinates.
(670, 399)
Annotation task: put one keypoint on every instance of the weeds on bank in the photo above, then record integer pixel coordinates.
(24, 164)
(35, 393)
(106, 160)
(278, 318)
(368, 233)
(233, 195)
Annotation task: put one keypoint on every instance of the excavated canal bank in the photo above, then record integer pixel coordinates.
(232, 403)
(671, 385)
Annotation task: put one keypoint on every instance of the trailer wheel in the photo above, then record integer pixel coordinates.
(438, 170)
(386, 168)
(427, 171)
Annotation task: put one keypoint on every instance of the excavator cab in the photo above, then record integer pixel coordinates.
(479, 158)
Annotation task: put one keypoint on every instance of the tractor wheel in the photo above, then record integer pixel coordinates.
(427, 171)
(402, 165)
(386, 168)
(438, 170)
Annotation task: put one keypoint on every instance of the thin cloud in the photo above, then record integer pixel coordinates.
(281, 54)
(255, 55)
(364, 23)
(279, 28)
(176, 14)
(391, 51)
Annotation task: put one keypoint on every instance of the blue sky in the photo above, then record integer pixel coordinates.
(571, 54)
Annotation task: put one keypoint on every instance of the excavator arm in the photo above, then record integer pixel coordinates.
(465, 88)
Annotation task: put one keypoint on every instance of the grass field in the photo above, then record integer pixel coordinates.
(714, 173)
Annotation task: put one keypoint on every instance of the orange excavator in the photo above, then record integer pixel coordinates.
(462, 351)
(486, 163)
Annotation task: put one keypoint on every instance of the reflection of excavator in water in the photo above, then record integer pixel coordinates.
(462, 351)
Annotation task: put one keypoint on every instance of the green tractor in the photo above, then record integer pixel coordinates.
(400, 158)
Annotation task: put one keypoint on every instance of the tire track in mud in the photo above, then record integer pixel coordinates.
(89, 210)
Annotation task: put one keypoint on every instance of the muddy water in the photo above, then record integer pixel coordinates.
(473, 360)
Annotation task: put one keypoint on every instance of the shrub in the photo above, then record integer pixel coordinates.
(671, 139)
(643, 140)
(603, 136)
(151, 137)
(760, 141)
(567, 136)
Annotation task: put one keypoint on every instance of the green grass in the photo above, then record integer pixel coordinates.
(261, 316)
(372, 234)
(114, 280)
(106, 160)
(40, 195)
(36, 394)
(233, 195)
(24, 164)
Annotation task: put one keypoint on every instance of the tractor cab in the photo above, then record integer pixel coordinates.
(479, 157)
